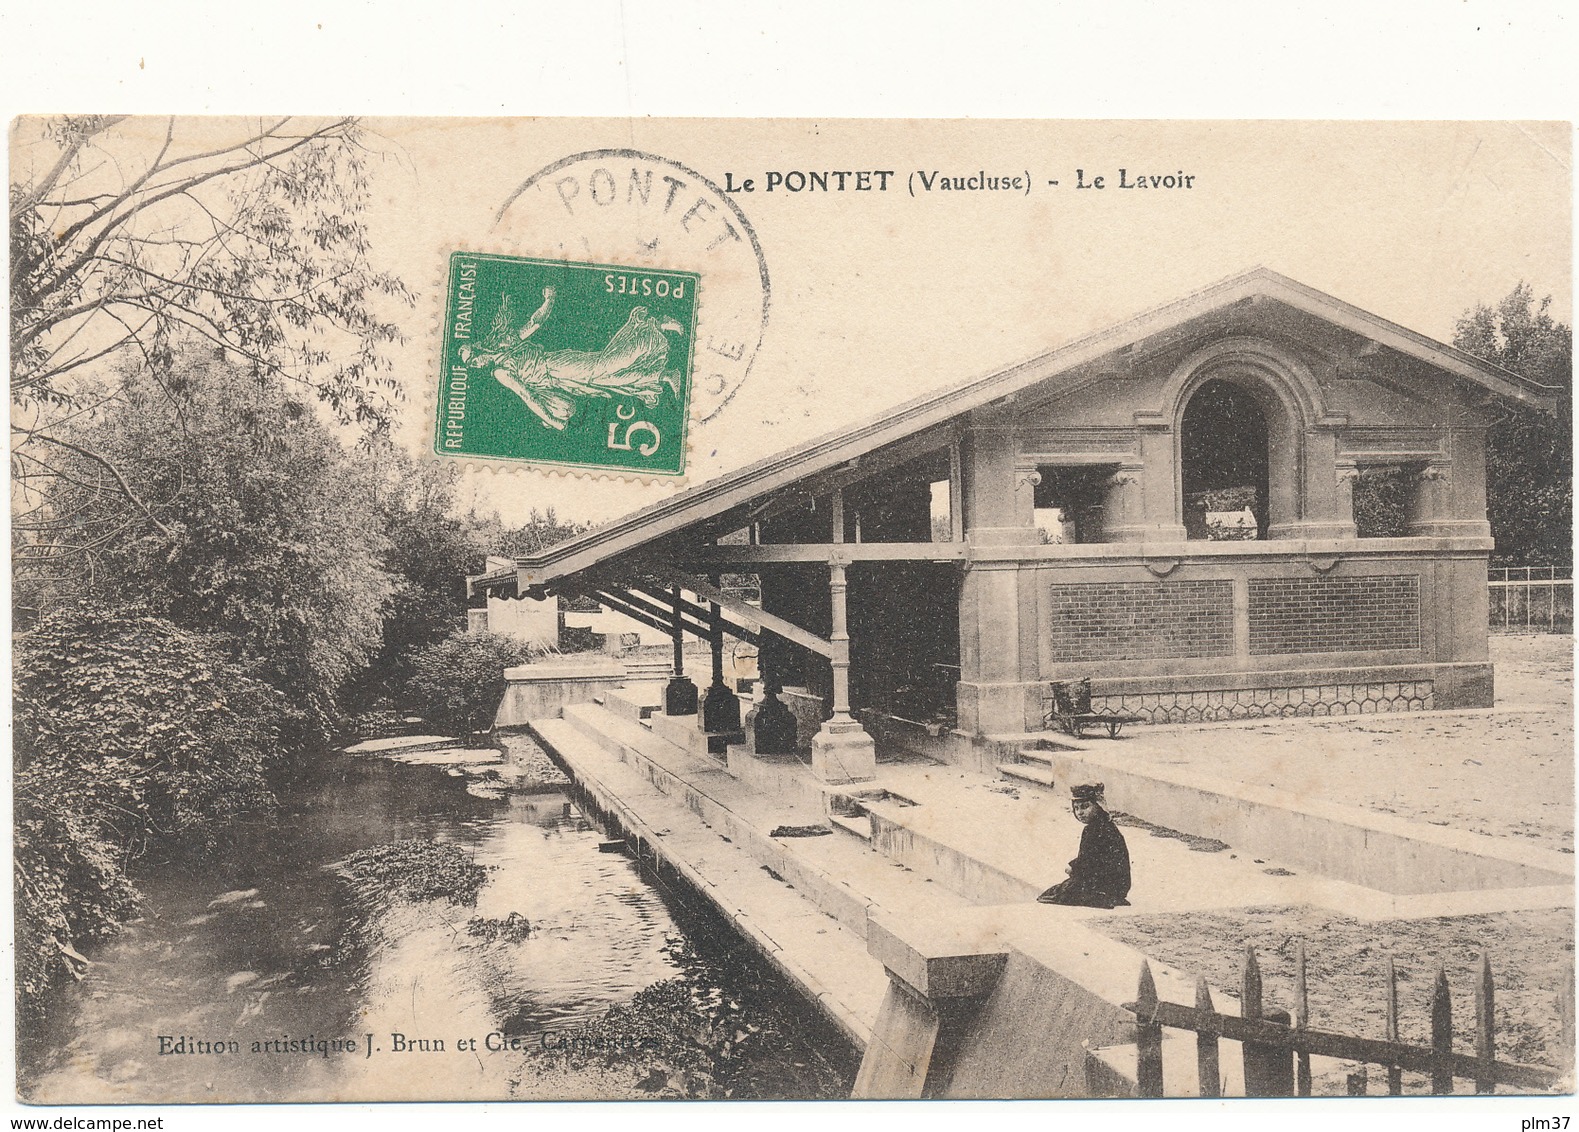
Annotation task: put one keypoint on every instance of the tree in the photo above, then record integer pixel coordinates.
(1529, 454)
(254, 522)
(431, 550)
(540, 531)
(244, 235)
(130, 734)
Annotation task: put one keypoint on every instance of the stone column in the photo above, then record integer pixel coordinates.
(721, 709)
(842, 751)
(1121, 506)
(1430, 509)
(679, 698)
(1346, 473)
(1329, 501)
(1320, 505)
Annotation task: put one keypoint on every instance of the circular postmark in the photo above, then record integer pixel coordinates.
(626, 207)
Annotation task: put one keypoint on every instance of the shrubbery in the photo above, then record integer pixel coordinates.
(256, 528)
(457, 683)
(130, 733)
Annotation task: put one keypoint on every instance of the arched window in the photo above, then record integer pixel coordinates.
(1224, 446)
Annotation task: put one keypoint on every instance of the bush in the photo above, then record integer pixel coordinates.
(457, 683)
(131, 735)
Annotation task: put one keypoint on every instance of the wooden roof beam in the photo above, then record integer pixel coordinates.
(771, 622)
(743, 557)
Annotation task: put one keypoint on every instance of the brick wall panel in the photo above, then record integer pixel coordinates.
(1313, 615)
(1141, 620)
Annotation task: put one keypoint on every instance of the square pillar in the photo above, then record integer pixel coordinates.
(1449, 497)
(1328, 511)
(994, 691)
(1158, 518)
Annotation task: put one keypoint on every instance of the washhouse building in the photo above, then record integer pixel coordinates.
(1258, 500)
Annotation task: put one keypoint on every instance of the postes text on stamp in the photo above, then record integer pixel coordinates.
(577, 364)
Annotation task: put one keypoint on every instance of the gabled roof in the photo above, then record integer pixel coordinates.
(716, 496)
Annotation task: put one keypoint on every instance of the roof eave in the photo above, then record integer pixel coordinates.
(930, 410)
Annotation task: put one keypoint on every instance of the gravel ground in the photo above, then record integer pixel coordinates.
(1507, 771)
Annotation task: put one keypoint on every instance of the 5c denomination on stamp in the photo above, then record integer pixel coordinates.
(576, 364)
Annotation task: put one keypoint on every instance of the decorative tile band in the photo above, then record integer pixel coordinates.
(1260, 703)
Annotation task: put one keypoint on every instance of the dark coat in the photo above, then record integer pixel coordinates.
(1099, 875)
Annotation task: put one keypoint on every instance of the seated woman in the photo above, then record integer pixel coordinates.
(1099, 874)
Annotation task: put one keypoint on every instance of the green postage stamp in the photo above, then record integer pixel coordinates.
(577, 364)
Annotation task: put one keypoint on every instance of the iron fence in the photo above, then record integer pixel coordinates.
(1277, 1048)
(1532, 599)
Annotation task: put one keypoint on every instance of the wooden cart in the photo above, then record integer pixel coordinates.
(1069, 710)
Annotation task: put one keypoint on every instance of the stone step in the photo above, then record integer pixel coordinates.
(1028, 772)
(683, 731)
(587, 725)
(827, 961)
(903, 834)
(1039, 755)
(645, 670)
(633, 703)
(724, 804)
(859, 828)
(837, 873)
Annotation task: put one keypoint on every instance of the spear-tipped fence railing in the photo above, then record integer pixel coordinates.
(1277, 1049)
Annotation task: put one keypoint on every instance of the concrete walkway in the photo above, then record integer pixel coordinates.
(993, 847)
(803, 902)
(938, 852)
(1505, 772)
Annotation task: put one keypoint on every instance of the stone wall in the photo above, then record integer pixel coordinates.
(544, 690)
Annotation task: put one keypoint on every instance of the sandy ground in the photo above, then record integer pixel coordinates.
(1505, 771)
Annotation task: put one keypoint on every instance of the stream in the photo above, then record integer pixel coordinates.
(261, 975)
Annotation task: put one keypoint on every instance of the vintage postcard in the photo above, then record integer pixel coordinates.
(539, 609)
